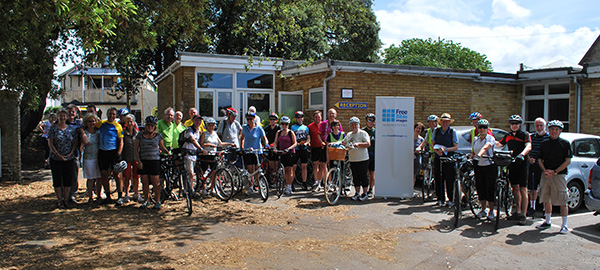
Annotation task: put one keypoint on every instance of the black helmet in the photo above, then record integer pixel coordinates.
(151, 119)
(370, 115)
(299, 114)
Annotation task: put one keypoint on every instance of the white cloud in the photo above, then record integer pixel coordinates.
(508, 9)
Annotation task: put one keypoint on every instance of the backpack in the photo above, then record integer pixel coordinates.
(182, 139)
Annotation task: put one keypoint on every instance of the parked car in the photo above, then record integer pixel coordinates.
(592, 194)
(464, 134)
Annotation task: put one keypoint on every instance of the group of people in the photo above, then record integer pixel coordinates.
(541, 162)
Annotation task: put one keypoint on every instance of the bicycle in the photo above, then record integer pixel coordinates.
(504, 198)
(336, 182)
(309, 173)
(171, 167)
(245, 179)
(221, 177)
(426, 175)
(465, 191)
(279, 174)
(456, 194)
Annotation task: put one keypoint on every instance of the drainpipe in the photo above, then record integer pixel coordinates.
(578, 107)
(334, 70)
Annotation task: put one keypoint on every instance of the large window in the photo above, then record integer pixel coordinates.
(550, 101)
(290, 102)
(315, 98)
(252, 80)
(215, 80)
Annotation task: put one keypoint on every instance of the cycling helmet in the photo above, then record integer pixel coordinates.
(483, 122)
(231, 111)
(299, 114)
(432, 117)
(475, 116)
(273, 115)
(210, 121)
(370, 115)
(515, 118)
(250, 114)
(285, 120)
(556, 123)
(123, 111)
(354, 119)
(151, 119)
(120, 166)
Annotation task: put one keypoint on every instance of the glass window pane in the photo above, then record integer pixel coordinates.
(215, 80)
(205, 103)
(224, 101)
(558, 89)
(290, 104)
(558, 109)
(262, 102)
(534, 90)
(586, 148)
(253, 80)
(534, 109)
(316, 98)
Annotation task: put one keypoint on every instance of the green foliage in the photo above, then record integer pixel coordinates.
(434, 53)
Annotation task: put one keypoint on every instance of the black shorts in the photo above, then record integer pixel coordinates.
(151, 167)
(106, 159)
(208, 161)
(517, 173)
(302, 155)
(371, 161)
(250, 159)
(62, 172)
(272, 156)
(288, 160)
(318, 154)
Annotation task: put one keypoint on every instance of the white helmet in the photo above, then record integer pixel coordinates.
(120, 166)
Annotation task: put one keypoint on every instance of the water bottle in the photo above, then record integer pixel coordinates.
(206, 173)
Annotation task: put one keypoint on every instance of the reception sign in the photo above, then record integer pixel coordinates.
(394, 150)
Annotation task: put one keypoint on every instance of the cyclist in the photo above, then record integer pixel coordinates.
(358, 155)
(191, 147)
(554, 157)
(302, 140)
(445, 142)
(432, 123)
(209, 140)
(370, 129)
(230, 129)
(475, 117)
(148, 146)
(285, 140)
(317, 149)
(188, 123)
(535, 173)
(520, 143)
(336, 134)
(110, 148)
(251, 138)
(130, 174)
(271, 131)
(485, 170)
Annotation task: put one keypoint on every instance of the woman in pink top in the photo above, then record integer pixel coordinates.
(285, 140)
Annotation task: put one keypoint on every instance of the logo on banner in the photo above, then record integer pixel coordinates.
(394, 116)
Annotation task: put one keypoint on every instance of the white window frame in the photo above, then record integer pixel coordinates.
(290, 93)
(546, 98)
(312, 106)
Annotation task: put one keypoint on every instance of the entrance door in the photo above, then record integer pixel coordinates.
(260, 100)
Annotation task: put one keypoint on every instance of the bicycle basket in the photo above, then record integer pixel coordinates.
(502, 159)
(231, 155)
(336, 153)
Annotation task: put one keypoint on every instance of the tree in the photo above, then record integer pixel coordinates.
(435, 53)
(32, 35)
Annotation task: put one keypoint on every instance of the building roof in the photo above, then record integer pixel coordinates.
(592, 56)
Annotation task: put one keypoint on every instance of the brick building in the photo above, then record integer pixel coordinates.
(213, 82)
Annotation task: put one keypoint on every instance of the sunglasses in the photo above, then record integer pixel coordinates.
(370, 120)
(515, 123)
(284, 124)
(272, 119)
(482, 127)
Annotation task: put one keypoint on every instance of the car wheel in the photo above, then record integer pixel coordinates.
(575, 196)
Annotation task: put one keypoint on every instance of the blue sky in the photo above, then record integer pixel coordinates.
(509, 32)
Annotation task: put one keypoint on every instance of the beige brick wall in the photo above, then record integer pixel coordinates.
(590, 105)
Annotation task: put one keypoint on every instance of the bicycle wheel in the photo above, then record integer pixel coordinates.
(498, 201)
(457, 201)
(473, 198)
(427, 184)
(263, 187)
(279, 180)
(332, 186)
(224, 184)
(509, 200)
(347, 174)
(236, 176)
(187, 192)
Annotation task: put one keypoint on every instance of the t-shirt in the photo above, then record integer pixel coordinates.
(63, 141)
(417, 142)
(516, 141)
(212, 138)
(302, 134)
(178, 129)
(230, 132)
(110, 132)
(149, 147)
(479, 143)
(252, 137)
(168, 132)
(190, 132)
(536, 142)
(129, 145)
(553, 152)
(371, 132)
(46, 126)
(357, 154)
(336, 138)
(325, 129)
(190, 122)
(271, 132)
(90, 150)
(313, 129)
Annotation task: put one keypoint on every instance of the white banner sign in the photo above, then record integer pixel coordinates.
(394, 151)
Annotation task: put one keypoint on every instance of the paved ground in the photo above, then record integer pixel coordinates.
(297, 232)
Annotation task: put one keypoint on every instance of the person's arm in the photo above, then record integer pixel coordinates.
(162, 148)
(294, 142)
(307, 142)
(527, 149)
(242, 140)
(137, 154)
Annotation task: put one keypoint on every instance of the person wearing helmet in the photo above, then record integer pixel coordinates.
(271, 131)
(252, 137)
(230, 129)
(110, 148)
(485, 170)
(303, 141)
(209, 140)
(445, 143)
(554, 158)
(370, 129)
(519, 142)
(475, 117)
(285, 140)
(358, 141)
(535, 173)
(148, 146)
(432, 123)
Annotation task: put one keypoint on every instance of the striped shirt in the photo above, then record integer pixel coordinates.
(536, 141)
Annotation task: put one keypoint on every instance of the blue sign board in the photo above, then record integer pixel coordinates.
(351, 105)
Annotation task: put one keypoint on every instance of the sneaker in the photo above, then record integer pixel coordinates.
(363, 197)
(544, 225)
(120, 201)
(73, 199)
(126, 199)
(522, 220)
(287, 191)
(564, 230)
(145, 204)
(439, 203)
(482, 214)
(370, 194)
(138, 198)
(449, 204)
(491, 216)
(515, 216)
(315, 186)
(61, 205)
(90, 200)
(107, 201)
(65, 205)
(157, 205)
(204, 192)
(356, 196)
